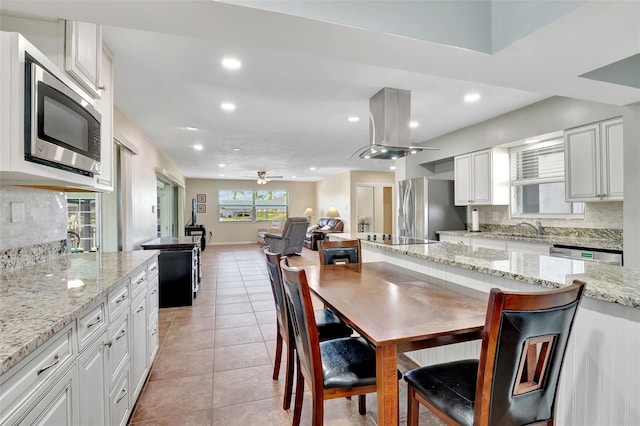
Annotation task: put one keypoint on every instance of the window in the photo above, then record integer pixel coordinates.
(251, 206)
(537, 182)
(82, 220)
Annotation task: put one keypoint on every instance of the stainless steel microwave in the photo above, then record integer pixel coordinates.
(62, 129)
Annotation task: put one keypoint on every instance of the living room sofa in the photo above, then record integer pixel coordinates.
(318, 232)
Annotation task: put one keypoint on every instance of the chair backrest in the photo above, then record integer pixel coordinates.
(339, 252)
(292, 227)
(523, 346)
(275, 276)
(335, 225)
(303, 324)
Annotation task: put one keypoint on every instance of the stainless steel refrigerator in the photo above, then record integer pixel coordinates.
(426, 206)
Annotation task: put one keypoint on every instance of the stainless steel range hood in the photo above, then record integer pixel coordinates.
(389, 116)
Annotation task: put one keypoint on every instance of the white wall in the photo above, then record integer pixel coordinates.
(301, 196)
(144, 182)
(377, 180)
(336, 192)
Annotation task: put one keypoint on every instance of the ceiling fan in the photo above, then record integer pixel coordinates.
(263, 178)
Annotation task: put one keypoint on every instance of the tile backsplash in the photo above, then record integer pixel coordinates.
(45, 218)
(605, 215)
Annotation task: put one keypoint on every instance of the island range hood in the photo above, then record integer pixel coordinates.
(389, 116)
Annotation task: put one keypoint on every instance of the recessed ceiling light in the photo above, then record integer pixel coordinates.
(293, 177)
(413, 124)
(221, 174)
(312, 168)
(227, 106)
(191, 128)
(534, 140)
(236, 149)
(198, 147)
(222, 165)
(472, 97)
(231, 63)
(353, 119)
(392, 167)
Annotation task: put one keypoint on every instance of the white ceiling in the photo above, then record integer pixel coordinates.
(302, 78)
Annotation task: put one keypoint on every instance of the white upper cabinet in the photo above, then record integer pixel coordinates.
(104, 105)
(482, 178)
(83, 55)
(594, 162)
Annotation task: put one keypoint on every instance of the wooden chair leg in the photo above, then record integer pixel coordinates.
(288, 382)
(413, 407)
(362, 404)
(276, 364)
(318, 409)
(297, 408)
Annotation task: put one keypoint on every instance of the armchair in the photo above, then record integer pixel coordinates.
(291, 239)
(325, 225)
(274, 228)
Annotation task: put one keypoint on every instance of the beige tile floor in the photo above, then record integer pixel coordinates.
(216, 357)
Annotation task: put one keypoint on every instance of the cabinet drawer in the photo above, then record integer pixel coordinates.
(118, 299)
(120, 408)
(138, 282)
(119, 346)
(30, 375)
(152, 268)
(153, 339)
(90, 325)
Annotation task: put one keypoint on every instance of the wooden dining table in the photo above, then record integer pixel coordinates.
(397, 310)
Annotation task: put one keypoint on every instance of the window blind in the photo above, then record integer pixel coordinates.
(542, 162)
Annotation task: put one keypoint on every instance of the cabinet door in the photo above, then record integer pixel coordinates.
(58, 406)
(612, 160)
(582, 163)
(489, 243)
(93, 379)
(139, 345)
(83, 54)
(105, 106)
(481, 177)
(462, 183)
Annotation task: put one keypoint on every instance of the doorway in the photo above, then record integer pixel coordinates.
(167, 209)
(374, 208)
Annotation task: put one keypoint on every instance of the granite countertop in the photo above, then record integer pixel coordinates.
(611, 283)
(596, 243)
(38, 301)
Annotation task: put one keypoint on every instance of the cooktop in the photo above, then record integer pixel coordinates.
(394, 240)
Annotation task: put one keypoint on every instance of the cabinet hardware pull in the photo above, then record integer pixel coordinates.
(94, 322)
(121, 298)
(108, 344)
(140, 309)
(103, 88)
(154, 332)
(124, 393)
(154, 291)
(123, 333)
(154, 267)
(56, 360)
(141, 280)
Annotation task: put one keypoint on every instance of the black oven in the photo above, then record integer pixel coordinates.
(62, 129)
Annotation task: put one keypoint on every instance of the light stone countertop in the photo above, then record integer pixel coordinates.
(615, 284)
(36, 302)
(596, 243)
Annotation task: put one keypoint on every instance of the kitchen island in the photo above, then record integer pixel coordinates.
(78, 335)
(600, 382)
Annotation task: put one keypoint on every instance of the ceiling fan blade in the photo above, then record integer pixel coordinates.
(274, 177)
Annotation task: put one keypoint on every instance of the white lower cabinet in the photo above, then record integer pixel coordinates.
(93, 379)
(93, 370)
(120, 406)
(139, 362)
(489, 243)
(534, 248)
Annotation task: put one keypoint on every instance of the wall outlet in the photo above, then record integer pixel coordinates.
(17, 212)
(495, 216)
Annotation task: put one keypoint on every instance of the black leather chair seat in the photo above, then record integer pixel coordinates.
(451, 387)
(329, 325)
(348, 362)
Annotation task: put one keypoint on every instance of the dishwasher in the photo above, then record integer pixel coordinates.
(611, 257)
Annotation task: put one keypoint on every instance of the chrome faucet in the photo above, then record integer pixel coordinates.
(537, 227)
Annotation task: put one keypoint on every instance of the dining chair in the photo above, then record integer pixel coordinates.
(516, 379)
(328, 324)
(334, 368)
(339, 252)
